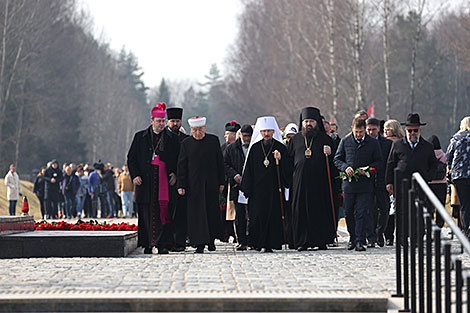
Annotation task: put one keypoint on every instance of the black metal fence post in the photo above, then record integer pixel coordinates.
(447, 286)
(420, 239)
(437, 269)
(412, 233)
(398, 232)
(429, 263)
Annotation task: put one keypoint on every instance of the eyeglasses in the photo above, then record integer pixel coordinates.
(412, 130)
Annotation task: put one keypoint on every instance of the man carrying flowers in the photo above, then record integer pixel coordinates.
(357, 157)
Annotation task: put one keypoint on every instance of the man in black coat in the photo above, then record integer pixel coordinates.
(152, 165)
(201, 178)
(234, 159)
(382, 199)
(52, 177)
(410, 154)
(354, 152)
(178, 207)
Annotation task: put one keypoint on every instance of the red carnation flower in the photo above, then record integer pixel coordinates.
(373, 170)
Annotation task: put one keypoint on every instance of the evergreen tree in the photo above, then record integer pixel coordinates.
(164, 93)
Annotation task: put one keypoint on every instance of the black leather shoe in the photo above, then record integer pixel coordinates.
(199, 249)
(211, 247)
(380, 241)
(371, 245)
(360, 247)
(302, 249)
(163, 251)
(351, 245)
(389, 242)
(179, 249)
(268, 250)
(322, 247)
(148, 251)
(242, 248)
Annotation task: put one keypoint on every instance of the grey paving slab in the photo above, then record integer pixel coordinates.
(223, 272)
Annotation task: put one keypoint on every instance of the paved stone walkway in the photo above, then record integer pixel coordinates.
(225, 271)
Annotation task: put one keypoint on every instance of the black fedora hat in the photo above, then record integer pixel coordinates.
(413, 120)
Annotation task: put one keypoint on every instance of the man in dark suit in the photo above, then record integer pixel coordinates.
(382, 199)
(355, 151)
(234, 159)
(409, 155)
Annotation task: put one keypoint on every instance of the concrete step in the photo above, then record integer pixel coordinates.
(56, 243)
(195, 303)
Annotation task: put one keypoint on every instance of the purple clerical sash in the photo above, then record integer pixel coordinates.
(163, 195)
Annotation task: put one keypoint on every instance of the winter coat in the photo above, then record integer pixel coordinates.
(441, 156)
(125, 182)
(458, 156)
(355, 155)
(69, 186)
(38, 188)
(408, 161)
(51, 190)
(94, 183)
(139, 160)
(108, 180)
(12, 181)
(83, 189)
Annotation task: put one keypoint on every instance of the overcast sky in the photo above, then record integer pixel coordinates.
(175, 39)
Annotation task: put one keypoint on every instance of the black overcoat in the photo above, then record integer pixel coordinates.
(422, 160)
(200, 173)
(139, 160)
(234, 158)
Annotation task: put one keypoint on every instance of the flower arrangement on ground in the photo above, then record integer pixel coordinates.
(92, 225)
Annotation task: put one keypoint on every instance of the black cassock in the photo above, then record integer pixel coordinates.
(152, 231)
(260, 186)
(313, 222)
(200, 173)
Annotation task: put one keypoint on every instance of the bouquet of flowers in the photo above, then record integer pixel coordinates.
(366, 171)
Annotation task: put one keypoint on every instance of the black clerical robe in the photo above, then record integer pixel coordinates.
(153, 224)
(200, 173)
(313, 221)
(178, 205)
(260, 186)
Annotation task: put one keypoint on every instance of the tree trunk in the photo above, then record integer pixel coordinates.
(331, 51)
(386, 7)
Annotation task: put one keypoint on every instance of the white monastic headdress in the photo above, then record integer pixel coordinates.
(197, 121)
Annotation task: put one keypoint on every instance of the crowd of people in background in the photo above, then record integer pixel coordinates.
(79, 191)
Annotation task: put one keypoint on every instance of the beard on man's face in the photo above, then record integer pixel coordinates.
(310, 131)
(175, 128)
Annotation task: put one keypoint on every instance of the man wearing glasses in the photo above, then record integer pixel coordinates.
(411, 154)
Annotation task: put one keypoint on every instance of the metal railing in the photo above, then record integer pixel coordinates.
(420, 247)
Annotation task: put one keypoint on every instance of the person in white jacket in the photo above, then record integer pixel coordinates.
(12, 181)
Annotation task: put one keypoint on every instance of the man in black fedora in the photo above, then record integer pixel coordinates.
(409, 155)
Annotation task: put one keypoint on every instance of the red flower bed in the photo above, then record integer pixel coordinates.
(81, 225)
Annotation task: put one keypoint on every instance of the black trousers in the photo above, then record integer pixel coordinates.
(180, 221)
(241, 223)
(463, 191)
(359, 221)
(382, 208)
(52, 207)
(440, 190)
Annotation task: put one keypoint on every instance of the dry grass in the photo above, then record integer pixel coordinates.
(27, 189)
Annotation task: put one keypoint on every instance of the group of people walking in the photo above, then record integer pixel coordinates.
(277, 190)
